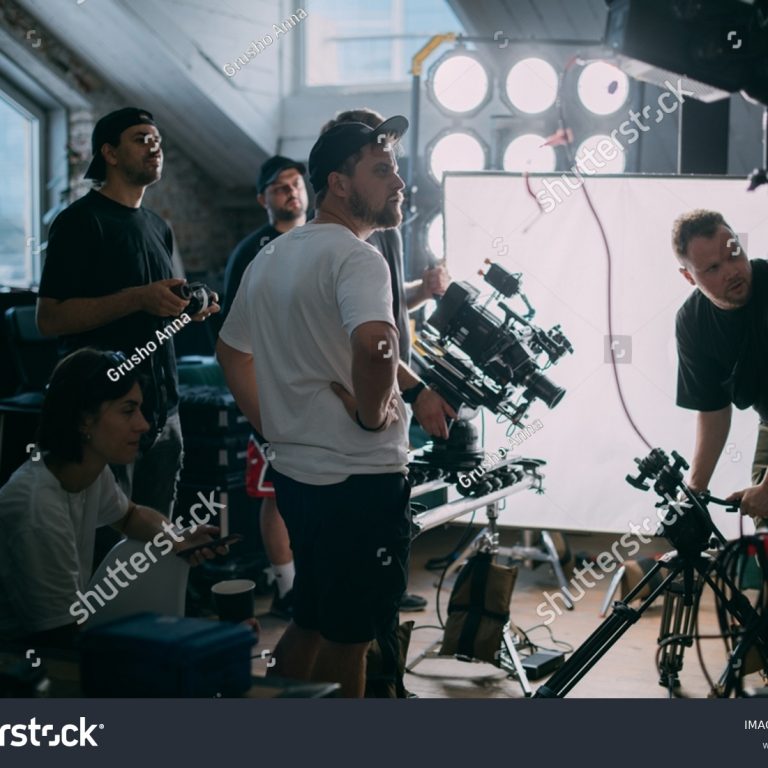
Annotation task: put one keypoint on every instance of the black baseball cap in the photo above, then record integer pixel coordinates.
(107, 131)
(337, 144)
(273, 167)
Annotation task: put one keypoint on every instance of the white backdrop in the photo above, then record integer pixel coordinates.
(586, 440)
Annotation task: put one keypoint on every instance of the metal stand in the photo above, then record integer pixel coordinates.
(675, 633)
(675, 630)
(611, 591)
(678, 619)
(447, 512)
(507, 656)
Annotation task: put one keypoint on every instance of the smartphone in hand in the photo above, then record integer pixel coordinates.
(213, 544)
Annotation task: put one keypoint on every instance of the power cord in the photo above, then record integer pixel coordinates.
(567, 647)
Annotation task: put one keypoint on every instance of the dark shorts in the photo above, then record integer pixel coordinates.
(351, 542)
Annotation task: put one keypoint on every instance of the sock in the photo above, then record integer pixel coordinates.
(284, 577)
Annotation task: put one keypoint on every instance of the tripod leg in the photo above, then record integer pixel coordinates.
(509, 645)
(428, 654)
(554, 559)
(604, 637)
(612, 587)
(676, 621)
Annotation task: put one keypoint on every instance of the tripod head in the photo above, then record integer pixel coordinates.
(683, 515)
(656, 466)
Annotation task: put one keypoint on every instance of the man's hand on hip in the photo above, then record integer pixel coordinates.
(350, 404)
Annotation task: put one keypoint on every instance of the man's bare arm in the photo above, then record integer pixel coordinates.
(60, 318)
(434, 282)
(375, 362)
(712, 429)
(240, 376)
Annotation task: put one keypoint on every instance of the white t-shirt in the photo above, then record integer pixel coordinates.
(46, 545)
(298, 303)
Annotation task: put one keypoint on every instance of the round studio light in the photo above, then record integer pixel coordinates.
(459, 84)
(456, 151)
(435, 238)
(527, 153)
(600, 154)
(602, 87)
(531, 86)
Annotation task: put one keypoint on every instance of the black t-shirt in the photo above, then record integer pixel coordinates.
(723, 354)
(240, 258)
(389, 243)
(97, 247)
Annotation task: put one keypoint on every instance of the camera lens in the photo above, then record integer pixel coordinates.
(540, 386)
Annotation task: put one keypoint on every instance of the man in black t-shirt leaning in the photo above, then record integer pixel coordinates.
(722, 341)
(107, 283)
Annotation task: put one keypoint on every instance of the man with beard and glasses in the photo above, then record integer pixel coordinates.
(309, 352)
(107, 283)
(283, 194)
(722, 341)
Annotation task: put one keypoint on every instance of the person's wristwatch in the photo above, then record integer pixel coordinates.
(409, 395)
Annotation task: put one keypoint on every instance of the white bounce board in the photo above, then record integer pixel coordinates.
(586, 439)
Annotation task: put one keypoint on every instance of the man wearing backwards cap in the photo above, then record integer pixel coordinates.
(107, 282)
(312, 334)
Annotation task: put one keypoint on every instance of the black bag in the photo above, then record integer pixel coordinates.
(384, 674)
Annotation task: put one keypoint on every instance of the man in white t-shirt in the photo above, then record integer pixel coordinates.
(311, 334)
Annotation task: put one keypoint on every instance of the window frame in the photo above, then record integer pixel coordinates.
(300, 86)
(48, 99)
(34, 112)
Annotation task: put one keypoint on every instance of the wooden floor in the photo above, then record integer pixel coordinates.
(626, 671)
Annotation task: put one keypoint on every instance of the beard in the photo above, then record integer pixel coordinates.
(386, 217)
(290, 214)
(143, 175)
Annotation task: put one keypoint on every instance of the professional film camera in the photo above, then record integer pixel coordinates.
(476, 357)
